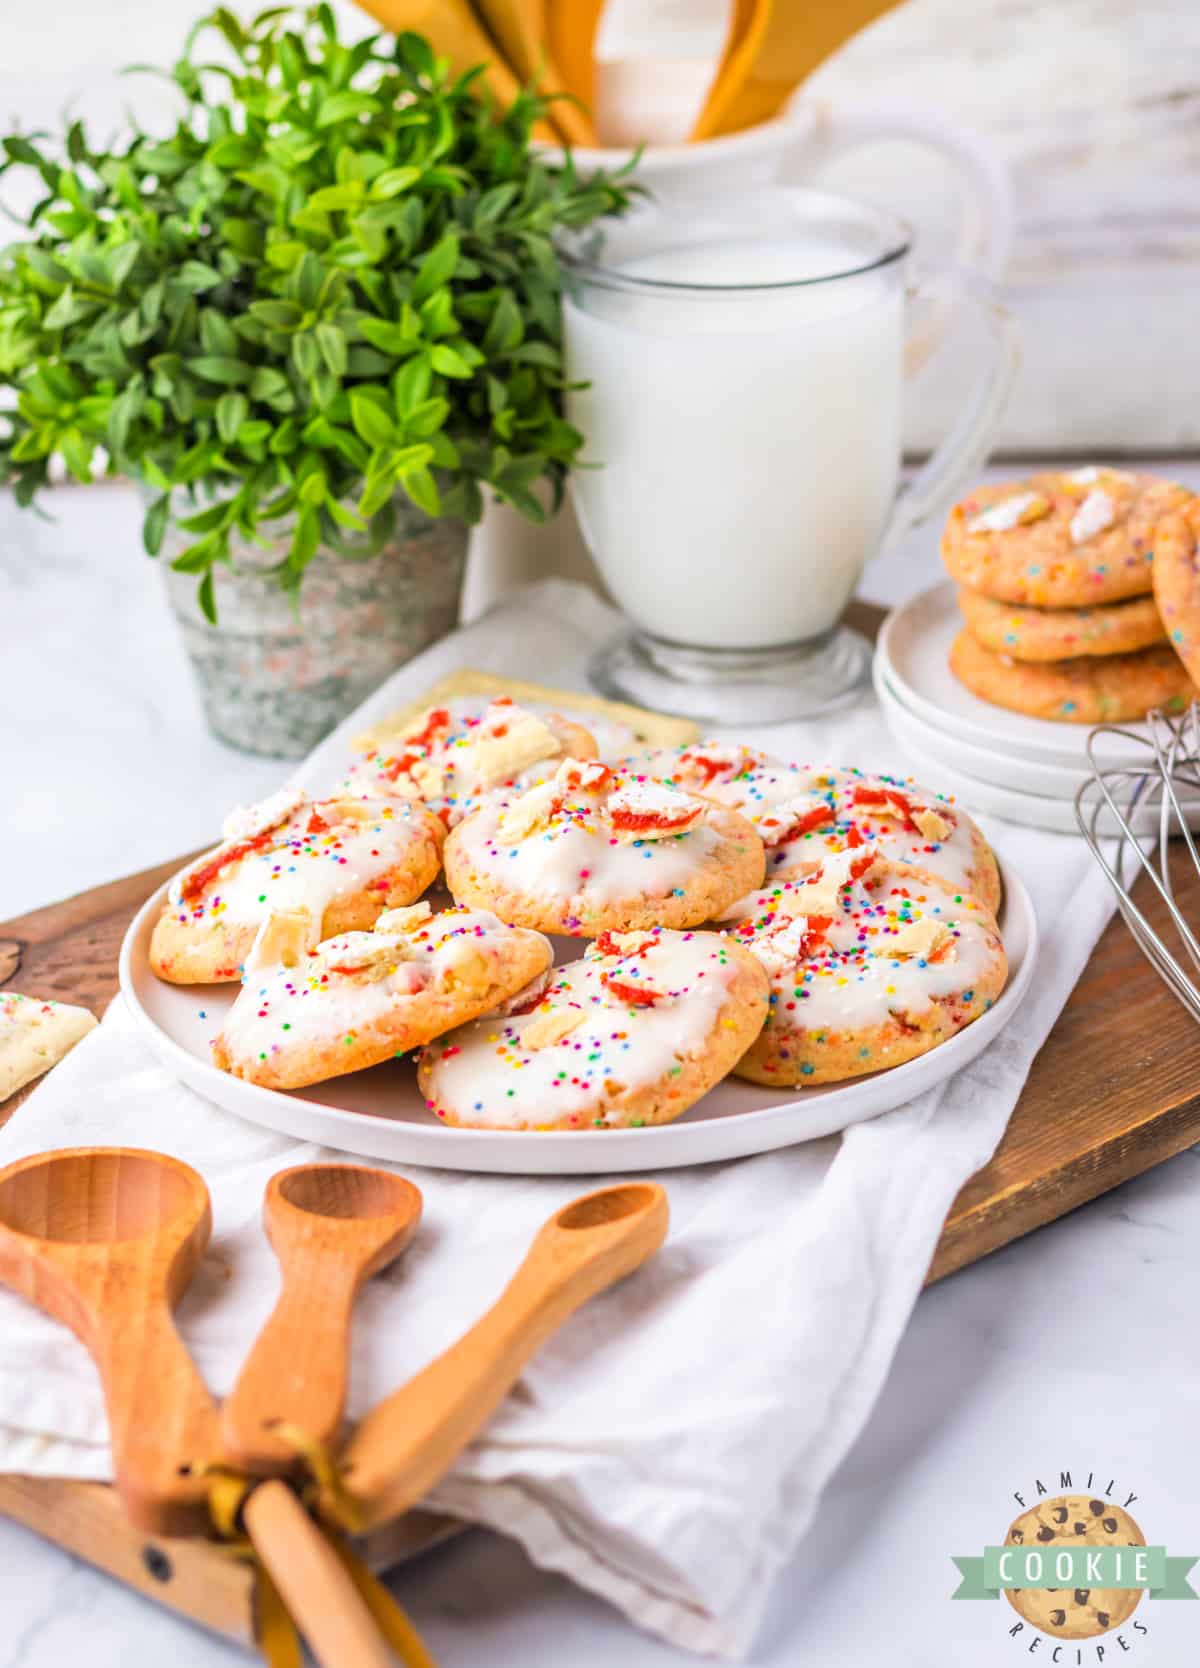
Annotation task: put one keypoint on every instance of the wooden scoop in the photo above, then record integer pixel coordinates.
(410, 1440)
(105, 1240)
(333, 1226)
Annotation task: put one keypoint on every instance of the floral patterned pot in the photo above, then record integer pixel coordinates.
(277, 672)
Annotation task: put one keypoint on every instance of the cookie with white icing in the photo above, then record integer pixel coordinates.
(614, 736)
(804, 814)
(305, 1015)
(633, 1033)
(453, 760)
(868, 967)
(35, 1033)
(595, 850)
(343, 861)
(1062, 539)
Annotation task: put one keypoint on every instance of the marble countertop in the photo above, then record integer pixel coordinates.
(1073, 1350)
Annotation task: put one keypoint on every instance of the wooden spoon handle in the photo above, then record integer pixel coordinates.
(312, 1581)
(411, 1439)
(297, 1369)
(162, 1418)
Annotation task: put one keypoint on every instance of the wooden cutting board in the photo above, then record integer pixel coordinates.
(1114, 1091)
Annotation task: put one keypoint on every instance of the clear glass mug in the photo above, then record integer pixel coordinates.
(740, 363)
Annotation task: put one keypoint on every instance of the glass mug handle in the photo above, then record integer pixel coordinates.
(965, 447)
(982, 247)
(984, 236)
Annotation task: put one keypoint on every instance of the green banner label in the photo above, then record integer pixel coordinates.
(1148, 1567)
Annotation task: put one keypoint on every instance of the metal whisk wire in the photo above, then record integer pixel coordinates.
(1136, 797)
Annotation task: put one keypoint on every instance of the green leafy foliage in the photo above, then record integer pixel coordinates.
(334, 280)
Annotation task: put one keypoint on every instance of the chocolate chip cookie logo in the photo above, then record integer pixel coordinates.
(1075, 1566)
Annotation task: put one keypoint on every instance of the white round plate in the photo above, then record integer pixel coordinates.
(380, 1113)
(1031, 810)
(913, 652)
(1004, 770)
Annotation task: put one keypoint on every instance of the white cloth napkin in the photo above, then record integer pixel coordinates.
(668, 1448)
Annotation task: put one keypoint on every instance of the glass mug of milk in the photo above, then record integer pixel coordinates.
(737, 367)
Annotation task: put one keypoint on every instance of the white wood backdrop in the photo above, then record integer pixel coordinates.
(1094, 103)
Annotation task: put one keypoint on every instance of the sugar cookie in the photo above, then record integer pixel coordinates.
(595, 849)
(1063, 633)
(1101, 690)
(453, 760)
(342, 860)
(1177, 582)
(632, 1033)
(306, 1015)
(1062, 539)
(869, 968)
(805, 813)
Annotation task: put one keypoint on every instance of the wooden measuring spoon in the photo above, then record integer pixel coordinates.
(410, 1440)
(106, 1239)
(333, 1226)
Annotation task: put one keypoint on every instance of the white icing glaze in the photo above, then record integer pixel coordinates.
(613, 738)
(283, 1008)
(1009, 512)
(485, 1073)
(777, 797)
(303, 869)
(456, 757)
(245, 821)
(1095, 514)
(568, 850)
(951, 858)
(868, 961)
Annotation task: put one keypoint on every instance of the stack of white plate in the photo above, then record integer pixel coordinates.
(1027, 770)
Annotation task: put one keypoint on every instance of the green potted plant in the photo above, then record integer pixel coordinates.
(317, 323)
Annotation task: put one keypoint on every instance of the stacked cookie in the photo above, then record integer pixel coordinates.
(725, 912)
(1069, 612)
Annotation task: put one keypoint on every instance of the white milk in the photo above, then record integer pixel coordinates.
(749, 442)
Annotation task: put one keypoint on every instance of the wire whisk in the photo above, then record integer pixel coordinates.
(1131, 814)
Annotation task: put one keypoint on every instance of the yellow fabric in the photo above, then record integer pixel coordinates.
(324, 1483)
(278, 1637)
(392, 1620)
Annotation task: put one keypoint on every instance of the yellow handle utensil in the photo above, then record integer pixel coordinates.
(519, 29)
(772, 46)
(571, 28)
(454, 31)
